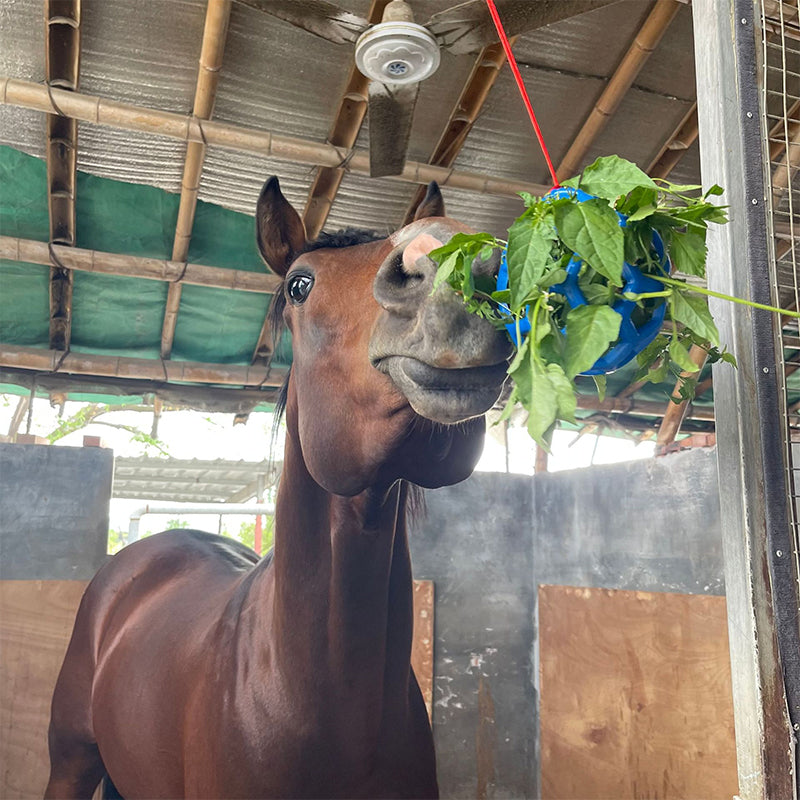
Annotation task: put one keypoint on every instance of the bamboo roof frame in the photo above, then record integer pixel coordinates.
(464, 114)
(128, 116)
(218, 13)
(172, 272)
(52, 361)
(62, 68)
(645, 41)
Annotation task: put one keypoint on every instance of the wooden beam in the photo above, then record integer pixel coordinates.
(467, 109)
(343, 134)
(676, 146)
(637, 407)
(62, 68)
(126, 116)
(783, 130)
(228, 399)
(646, 40)
(675, 412)
(218, 14)
(34, 358)
(173, 272)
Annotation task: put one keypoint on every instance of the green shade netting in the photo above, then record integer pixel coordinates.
(119, 315)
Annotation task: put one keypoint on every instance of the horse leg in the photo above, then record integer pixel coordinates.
(76, 768)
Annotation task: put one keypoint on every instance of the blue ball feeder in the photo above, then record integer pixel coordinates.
(632, 339)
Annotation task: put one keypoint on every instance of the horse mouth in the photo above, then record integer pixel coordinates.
(445, 395)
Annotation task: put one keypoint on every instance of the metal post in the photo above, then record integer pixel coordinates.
(752, 487)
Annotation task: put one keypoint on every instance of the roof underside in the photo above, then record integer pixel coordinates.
(276, 77)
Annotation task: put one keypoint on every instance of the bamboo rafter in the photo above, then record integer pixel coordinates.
(126, 116)
(644, 43)
(344, 132)
(62, 67)
(173, 272)
(676, 146)
(55, 361)
(218, 14)
(464, 114)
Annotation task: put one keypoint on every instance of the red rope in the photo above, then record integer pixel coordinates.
(512, 62)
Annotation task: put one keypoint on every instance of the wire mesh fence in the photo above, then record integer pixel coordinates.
(780, 109)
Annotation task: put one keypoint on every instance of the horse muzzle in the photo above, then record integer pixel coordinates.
(449, 395)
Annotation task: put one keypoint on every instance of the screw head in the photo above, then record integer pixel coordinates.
(754, 201)
(779, 553)
(749, 115)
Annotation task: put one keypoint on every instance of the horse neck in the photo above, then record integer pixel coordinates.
(342, 594)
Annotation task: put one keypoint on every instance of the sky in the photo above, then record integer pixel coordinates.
(194, 434)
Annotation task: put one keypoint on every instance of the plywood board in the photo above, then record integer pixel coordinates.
(422, 644)
(36, 619)
(635, 696)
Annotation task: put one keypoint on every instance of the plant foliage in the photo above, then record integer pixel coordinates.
(565, 341)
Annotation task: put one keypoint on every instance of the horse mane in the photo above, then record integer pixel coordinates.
(347, 237)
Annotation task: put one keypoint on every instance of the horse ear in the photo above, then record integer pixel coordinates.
(433, 203)
(280, 232)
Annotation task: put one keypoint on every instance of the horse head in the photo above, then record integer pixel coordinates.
(390, 378)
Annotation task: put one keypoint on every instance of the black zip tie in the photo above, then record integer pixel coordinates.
(60, 362)
(183, 273)
(54, 259)
(52, 100)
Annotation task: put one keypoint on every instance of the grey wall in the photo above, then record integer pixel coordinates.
(489, 542)
(53, 511)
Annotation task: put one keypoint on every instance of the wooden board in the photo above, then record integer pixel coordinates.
(422, 644)
(36, 620)
(635, 696)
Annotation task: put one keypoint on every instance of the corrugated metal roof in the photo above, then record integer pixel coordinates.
(189, 480)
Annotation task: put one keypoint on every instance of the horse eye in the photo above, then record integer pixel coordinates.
(298, 288)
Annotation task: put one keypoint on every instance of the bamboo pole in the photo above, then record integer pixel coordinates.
(473, 96)
(630, 406)
(218, 14)
(632, 62)
(343, 134)
(152, 369)
(90, 108)
(675, 412)
(676, 147)
(76, 258)
(62, 68)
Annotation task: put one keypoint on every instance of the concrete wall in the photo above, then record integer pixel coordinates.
(53, 511)
(490, 541)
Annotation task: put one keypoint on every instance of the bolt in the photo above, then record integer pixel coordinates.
(744, 21)
(749, 115)
(779, 553)
(765, 370)
(754, 201)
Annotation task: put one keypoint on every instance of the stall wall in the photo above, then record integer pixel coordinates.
(53, 534)
(489, 543)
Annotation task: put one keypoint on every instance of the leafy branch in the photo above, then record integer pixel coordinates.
(572, 263)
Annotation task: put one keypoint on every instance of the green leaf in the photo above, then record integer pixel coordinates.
(543, 404)
(529, 257)
(446, 269)
(612, 176)
(600, 382)
(639, 198)
(680, 355)
(716, 190)
(565, 392)
(692, 311)
(592, 230)
(528, 199)
(590, 330)
(642, 213)
(687, 251)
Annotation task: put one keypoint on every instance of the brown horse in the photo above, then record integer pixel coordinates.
(194, 669)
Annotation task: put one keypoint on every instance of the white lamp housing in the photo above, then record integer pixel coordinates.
(397, 52)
